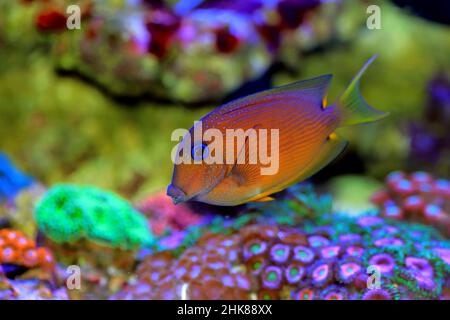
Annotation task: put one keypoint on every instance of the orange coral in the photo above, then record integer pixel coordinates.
(16, 248)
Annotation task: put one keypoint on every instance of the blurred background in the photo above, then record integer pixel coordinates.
(97, 105)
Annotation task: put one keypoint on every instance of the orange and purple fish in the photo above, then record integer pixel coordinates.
(307, 141)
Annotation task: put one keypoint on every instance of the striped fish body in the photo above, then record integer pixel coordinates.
(307, 141)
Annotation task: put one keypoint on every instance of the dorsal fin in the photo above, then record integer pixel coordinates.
(317, 86)
(312, 90)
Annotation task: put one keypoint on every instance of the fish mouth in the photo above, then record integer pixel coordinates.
(176, 194)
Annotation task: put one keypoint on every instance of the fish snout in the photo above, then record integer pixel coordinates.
(176, 194)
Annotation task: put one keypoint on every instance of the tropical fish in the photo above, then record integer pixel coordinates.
(307, 141)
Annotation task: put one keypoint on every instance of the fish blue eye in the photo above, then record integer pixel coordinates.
(200, 151)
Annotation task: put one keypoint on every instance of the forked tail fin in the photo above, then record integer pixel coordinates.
(352, 106)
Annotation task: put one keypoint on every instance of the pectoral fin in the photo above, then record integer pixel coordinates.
(243, 172)
(246, 174)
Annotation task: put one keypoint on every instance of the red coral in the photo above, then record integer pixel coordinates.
(417, 197)
(50, 20)
(271, 34)
(162, 25)
(201, 272)
(293, 13)
(226, 41)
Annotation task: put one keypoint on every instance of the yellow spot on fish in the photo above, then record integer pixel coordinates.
(332, 136)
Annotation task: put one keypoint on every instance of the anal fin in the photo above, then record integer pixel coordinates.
(333, 146)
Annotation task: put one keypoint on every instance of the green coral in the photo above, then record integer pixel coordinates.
(69, 213)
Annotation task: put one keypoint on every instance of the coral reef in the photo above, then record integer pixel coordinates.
(30, 290)
(177, 52)
(18, 254)
(318, 261)
(95, 230)
(296, 203)
(293, 248)
(417, 197)
(68, 214)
